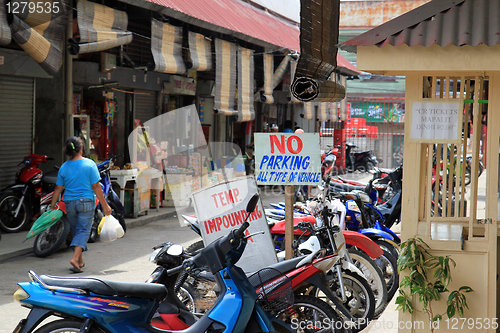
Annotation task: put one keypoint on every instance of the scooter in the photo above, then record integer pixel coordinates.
(93, 304)
(359, 161)
(29, 196)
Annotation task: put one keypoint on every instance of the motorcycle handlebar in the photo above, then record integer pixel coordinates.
(239, 233)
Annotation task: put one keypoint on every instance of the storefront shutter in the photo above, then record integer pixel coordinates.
(145, 105)
(16, 124)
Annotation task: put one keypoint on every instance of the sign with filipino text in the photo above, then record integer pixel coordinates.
(435, 121)
(287, 159)
(222, 208)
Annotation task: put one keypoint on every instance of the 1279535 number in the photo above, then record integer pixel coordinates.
(471, 323)
(33, 7)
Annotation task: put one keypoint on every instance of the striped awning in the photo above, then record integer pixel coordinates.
(166, 46)
(225, 78)
(5, 34)
(324, 111)
(268, 78)
(41, 34)
(319, 32)
(246, 110)
(101, 28)
(309, 110)
(200, 49)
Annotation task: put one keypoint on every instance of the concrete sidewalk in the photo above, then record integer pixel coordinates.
(11, 245)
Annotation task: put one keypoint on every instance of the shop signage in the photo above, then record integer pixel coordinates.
(221, 208)
(180, 85)
(435, 121)
(287, 159)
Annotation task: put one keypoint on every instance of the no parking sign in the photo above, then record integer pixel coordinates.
(287, 159)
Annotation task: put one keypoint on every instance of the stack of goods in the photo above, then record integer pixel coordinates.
(195, 164)
(177, 189)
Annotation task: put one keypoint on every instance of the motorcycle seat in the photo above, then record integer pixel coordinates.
(339, 187)
(274, 270)
(154, 291)
(50, 177)
(362, 152)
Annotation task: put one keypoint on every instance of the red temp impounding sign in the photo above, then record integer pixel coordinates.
(222, 207)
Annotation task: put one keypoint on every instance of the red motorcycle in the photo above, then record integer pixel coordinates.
(29, 196)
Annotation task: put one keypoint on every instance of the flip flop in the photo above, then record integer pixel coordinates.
(76, 270)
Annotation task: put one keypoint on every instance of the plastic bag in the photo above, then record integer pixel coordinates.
(111, 222)
(108, 232)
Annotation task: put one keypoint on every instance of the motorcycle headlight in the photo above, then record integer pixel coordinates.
(152, 257)
(365, 198)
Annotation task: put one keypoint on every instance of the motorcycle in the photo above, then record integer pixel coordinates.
(111, 197)
(95, 305)
(359, 161)
(29, 196)
(51, 239)
(198, 291)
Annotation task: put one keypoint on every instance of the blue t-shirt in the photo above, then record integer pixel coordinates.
(77, 177)
(287, 130)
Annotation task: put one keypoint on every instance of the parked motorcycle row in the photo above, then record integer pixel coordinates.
(31, 196)
(345, 224)
(341, 277)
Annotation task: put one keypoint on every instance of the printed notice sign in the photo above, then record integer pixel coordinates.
(287, 159)
(221, 208)
(436, 121)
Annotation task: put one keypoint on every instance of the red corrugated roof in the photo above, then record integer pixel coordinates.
(241, 17)
(439, 22)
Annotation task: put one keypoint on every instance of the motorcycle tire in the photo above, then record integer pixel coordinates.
(313, 311)
(360, 300)
(196, 246)
(118, 216)
(389, 267)
(8, 204)
(389, 247)
(95, 225)
(65, 325)
(50, 240)
(373, 276)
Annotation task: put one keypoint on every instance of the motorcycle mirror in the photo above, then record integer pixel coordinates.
(252, 203)
(175, 250)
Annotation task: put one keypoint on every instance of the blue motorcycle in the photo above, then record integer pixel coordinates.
(96, 305)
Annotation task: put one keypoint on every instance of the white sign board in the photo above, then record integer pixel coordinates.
(287, 159)
(436, 121)
(221, 208)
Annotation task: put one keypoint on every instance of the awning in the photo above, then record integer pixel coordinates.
(271, 80)
(231, 17)
(268, 78)
(309, 108)
(5, 34)
(166, 46)
(225, 78)
(100, 27)
(319, 32)
(200, 49)
(246, 110)
(41, 34)
(324, 111)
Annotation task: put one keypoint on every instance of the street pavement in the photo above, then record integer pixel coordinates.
(125, 259)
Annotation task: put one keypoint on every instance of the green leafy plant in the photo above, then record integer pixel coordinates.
(428, 277)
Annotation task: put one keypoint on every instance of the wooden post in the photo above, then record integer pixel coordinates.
(289, 221)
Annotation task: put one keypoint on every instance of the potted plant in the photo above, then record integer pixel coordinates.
(427, 278)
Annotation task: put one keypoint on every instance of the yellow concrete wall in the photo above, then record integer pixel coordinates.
(399, 60)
